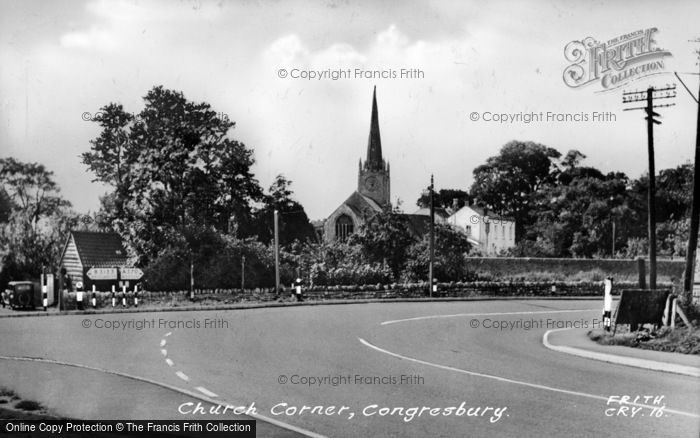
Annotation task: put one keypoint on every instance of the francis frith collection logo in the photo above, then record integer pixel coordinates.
(615, 62)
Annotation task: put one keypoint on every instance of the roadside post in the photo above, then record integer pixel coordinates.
(607, 304)
(44, 296)
(94, 296)
(123, 295)
(79, 295)
(136, 295)
(297, 287)
(114, 296)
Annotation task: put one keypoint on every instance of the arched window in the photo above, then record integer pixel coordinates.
(343, 227)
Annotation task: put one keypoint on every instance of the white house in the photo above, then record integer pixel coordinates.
(485, 230)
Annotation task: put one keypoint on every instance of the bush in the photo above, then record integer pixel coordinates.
(217, 265)
(28, 405)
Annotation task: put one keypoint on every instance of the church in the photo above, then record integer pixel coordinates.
(373, 193)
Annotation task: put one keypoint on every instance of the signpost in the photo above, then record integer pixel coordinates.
(131, 273)
(102, 273)
(114, 273)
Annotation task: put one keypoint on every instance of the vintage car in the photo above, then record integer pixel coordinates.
(23, 294)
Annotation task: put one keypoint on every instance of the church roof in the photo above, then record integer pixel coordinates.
(362, 205)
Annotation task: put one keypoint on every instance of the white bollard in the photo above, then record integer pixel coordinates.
(136, 296)
(674, 309)
(94, 296)
(607, 304)
(123, 296)
(44, 296)
(114, 296)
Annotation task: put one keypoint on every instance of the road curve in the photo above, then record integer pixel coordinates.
(394, 369)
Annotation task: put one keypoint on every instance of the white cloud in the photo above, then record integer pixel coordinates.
(94, 38)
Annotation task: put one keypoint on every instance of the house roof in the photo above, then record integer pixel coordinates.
(485, 212)
(99, 249)
(439, 211)
(418, 224)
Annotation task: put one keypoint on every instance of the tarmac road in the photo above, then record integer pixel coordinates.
(432, 357)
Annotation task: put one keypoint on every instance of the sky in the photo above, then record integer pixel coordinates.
(61, 61)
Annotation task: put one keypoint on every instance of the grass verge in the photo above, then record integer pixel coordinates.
(678, 340)
(13, 407)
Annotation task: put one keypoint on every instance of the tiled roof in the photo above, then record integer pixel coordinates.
(426, 212)
(100, 249)
(418, 224)
(361, 205)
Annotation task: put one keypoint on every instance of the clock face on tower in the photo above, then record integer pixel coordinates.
(371, 184)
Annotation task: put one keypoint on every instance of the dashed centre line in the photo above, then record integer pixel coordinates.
(179, 373)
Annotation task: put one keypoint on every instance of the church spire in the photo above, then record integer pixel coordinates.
(374, 144)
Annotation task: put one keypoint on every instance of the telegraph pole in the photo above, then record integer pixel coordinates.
(277, 254)
(649, 95)
(432, 237)
(688, 274)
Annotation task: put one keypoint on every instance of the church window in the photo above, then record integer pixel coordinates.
(343, 227)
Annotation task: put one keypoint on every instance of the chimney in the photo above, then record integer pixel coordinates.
(455, 204)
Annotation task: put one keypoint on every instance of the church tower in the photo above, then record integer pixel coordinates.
(373, 178)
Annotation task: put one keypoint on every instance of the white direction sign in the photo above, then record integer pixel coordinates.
(102, 273)
(131, 274)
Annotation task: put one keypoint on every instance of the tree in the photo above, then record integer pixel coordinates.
(32, 235)
(445, 198)
(385, 238)
(575, 220)
(294, 224)
(507, 181)
(451, 247)
(175, 173)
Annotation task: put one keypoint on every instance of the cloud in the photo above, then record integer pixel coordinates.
(95, 38)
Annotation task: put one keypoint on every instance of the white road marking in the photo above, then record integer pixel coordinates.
(187, 392)
(164, 352)
(169, 362)
(168, 334)
(205, 391)
(182, 375)
(162, 342)
(517, 382)
(419, 318)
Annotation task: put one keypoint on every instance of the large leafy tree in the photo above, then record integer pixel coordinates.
(385, 238)
(35, 221)
(575, 220)
(451, 248)
(175, 172)
(507, 181)
(294, 224)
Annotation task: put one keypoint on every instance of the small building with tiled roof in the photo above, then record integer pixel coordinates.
(87, 249)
